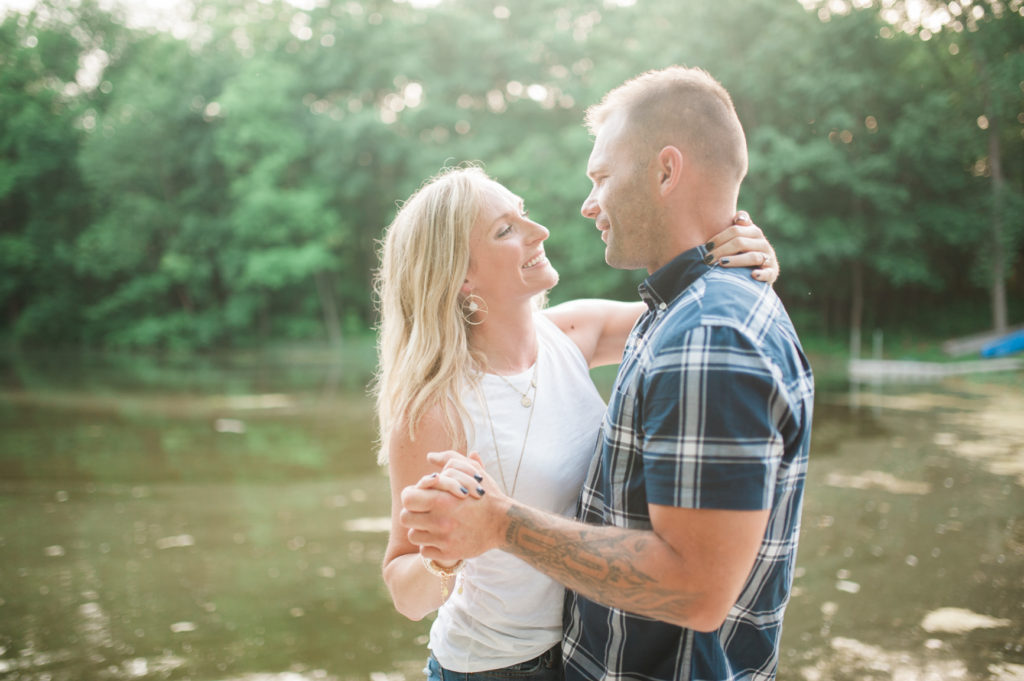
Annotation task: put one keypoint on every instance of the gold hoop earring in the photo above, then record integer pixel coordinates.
(473, 305)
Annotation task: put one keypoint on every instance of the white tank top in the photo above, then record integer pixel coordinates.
(507, 612)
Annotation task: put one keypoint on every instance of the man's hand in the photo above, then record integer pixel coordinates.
(448, 525)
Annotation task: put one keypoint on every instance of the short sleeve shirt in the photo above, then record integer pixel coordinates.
(711, 409)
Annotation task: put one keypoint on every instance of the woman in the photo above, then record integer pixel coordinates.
(470, 361)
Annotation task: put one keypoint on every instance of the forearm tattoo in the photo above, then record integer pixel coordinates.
(604, 564)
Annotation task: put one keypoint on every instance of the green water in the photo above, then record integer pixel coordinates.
(222, 519)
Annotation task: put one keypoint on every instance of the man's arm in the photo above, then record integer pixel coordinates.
(687, 570)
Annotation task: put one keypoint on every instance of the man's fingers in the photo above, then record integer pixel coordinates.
(439, 553)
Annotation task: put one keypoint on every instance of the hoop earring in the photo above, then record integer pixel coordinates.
(471, 306)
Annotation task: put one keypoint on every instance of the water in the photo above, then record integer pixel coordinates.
(222, 519)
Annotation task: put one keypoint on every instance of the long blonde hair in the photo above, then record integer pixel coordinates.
(423, 351)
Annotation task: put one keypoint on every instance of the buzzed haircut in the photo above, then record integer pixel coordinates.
(683, 107)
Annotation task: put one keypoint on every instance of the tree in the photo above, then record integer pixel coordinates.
(46, 105)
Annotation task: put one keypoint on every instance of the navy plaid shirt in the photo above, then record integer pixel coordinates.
(711, 409)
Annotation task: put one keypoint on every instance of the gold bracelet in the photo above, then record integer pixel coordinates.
(445, 573)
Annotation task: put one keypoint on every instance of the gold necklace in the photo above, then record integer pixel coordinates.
(526, 402)
(524, 397)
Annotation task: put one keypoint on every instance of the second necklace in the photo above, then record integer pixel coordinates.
(526, 401)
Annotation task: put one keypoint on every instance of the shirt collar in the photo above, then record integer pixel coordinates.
(666, 283)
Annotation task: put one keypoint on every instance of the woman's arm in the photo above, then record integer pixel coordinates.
(415, 591)
(599, 328)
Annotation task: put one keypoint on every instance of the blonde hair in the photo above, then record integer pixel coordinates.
(679, 106)
(424, 356)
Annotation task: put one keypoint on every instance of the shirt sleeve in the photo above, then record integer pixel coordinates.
(711, 411)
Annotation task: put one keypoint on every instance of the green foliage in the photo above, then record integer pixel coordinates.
(230, 187)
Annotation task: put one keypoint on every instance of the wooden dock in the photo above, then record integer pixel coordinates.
(886, 370)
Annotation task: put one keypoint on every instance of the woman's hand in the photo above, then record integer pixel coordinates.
(440, 523)
(744, 245)
(461, 484)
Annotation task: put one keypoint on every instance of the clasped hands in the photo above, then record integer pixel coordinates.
(459, 512)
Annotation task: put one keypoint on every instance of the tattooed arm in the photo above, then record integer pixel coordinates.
(688, 570)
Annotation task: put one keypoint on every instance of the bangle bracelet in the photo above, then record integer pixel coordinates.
(445, 573)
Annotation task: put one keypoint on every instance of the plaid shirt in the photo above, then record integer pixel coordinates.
(711, 409)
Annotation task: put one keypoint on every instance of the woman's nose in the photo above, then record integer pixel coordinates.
(541, 232)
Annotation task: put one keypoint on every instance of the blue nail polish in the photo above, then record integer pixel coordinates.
(478, 477)
(480, 491)
(725, 261)
(463, 489)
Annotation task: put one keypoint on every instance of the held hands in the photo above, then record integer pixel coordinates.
(457, 513)
(743, 245)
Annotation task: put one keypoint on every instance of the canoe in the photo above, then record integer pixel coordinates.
(1005, 345)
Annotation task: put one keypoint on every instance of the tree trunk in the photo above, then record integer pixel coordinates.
(856, 309)
(995, 162)
(330, 309)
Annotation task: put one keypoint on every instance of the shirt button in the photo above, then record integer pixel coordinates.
(662, 306)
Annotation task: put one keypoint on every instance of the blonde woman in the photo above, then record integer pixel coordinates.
(470, 360)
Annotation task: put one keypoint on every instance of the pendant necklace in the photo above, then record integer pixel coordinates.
(526, 401)
(525, 398)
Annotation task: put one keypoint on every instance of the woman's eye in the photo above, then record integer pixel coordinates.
(505, 231)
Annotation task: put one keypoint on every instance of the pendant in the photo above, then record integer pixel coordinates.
(526, 401)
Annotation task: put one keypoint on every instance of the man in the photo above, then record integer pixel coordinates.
(681, 561)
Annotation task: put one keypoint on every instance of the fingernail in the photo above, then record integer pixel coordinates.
(463, 489)
(478, 477)
(708, 259)
(433, 475)
(710, 245)
(725, 261)
(480, 491)
(744, 215)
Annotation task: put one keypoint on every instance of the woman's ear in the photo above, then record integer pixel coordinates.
(466, 288)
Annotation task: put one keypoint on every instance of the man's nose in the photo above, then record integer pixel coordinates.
(589, 208)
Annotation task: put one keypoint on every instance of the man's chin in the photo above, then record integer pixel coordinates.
(619, 262)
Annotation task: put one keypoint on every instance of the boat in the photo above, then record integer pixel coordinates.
(1004, 345)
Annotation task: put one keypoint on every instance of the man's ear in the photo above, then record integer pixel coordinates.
(670, 169)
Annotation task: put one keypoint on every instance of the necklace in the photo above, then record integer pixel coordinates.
(526, 402)
(524, 396)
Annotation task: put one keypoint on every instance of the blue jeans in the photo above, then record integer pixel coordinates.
(545, 667)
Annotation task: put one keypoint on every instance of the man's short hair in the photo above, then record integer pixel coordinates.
(683, 107)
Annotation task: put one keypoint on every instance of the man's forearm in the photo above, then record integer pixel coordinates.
(622, 568)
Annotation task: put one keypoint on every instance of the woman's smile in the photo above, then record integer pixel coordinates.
(535, 260)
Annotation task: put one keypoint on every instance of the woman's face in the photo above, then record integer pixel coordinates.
(506, 252)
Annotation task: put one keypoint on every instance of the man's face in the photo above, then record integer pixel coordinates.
(621, 200)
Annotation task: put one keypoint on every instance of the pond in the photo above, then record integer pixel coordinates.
(222, 519)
